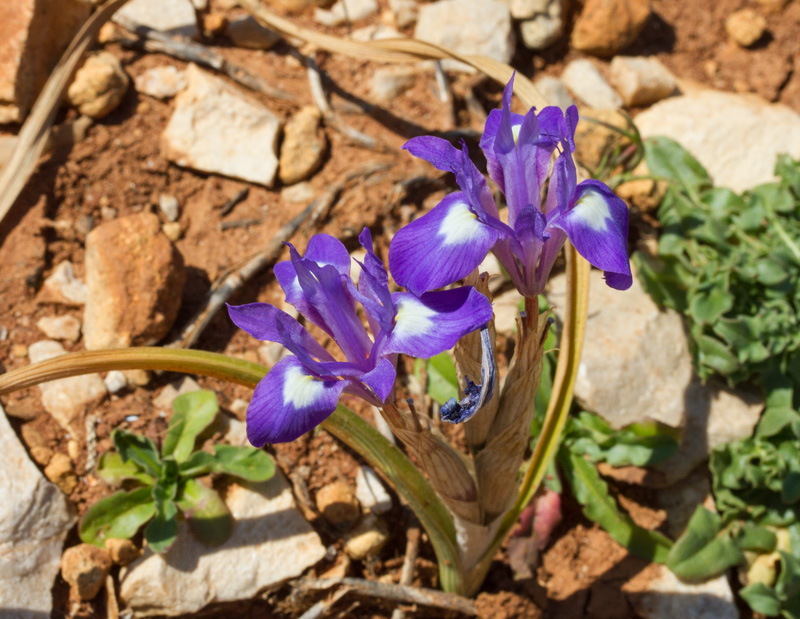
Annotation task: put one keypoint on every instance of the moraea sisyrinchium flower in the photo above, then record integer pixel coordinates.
(448, 243)
(303, 388)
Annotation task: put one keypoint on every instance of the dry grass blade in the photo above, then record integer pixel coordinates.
(396, 50)
(32, 138)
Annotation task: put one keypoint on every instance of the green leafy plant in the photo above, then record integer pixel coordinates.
(165, 484)
(731, 264)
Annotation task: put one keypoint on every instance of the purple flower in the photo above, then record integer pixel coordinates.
(303, 388)
(446, 244)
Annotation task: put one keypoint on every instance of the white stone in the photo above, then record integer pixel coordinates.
(636, 366)
(60, 327)
(186, 384)
(554, 91)
(344, 10)
(271, 543)
(161, 82)
(404, 12)
(737, 138)
(62, 285)
(388, 83)
(216, 128)
(115, 381)
(172, 16)
(589, 85)
(300, 192)
(541, 28)
(170, 206)
(640, 80)
(371, 492)
(245, 31)
(66, 398)
(35, 518)
(525, 9)
(669, 598)
(482, 27)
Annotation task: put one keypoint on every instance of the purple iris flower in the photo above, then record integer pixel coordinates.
(303, 388)
(448, 243)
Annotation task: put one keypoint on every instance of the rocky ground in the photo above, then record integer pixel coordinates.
(163, 177)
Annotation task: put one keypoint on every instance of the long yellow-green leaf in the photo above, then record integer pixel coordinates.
(343, 424)
(396, 50)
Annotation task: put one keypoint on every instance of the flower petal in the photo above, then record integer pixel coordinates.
(597, 225)
(381, 379)
(435, 321)
(440, 247)
(288, 402)
(261, 320)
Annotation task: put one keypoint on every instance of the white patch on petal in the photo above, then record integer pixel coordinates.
(301, 390)
(515, 129)
(413, 318)
(460, 225)
(591, 211)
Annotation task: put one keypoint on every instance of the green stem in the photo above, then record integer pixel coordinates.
(343, 424)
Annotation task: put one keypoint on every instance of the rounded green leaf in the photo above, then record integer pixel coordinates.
(246, 462)
(139, 449)
(194, 412)
(117, 516)
(206, 513)
(113, 470)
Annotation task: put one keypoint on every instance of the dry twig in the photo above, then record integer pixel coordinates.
(409, 561)
(396, 593)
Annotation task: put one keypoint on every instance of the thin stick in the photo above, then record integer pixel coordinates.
(238, 197)
(189, 51)
(445, 93)
(409, 561)
(397, 593)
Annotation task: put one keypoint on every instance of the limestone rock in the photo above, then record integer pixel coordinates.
(588, 84)
(66, 398)
(161, 82)
(404, 12)
(367, 538)
(343, 10)
(135, 278)
(271, 543)
(115, 381)
(122, 551)
(468, 26)
(216, 128)
(303, 147)
(35, 518)
(640, 80)
(171, 16)
(526, 9)
(59, 470)
(245, 31)
(388, 83)
(714, 125)
(370, 491)
(34, 34)
(60, 327)
(338, 505)
(745, 26)
(605, 27)
(62, 286)
(544, 24)
(98, 86)
(85, 568)
(669, 598)
(554, 91)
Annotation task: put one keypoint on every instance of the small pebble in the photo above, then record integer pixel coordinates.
(170, 206)
(338, 505)
(122, 551)
(131, 418)
(60, 327)
(115, 381)
(367, 539)
(172, 230)
(745, 26)
(73, 449)
(370, 491)
(85, 568)
(61, 473)
(19, 350)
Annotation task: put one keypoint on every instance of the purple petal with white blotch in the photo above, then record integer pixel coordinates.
(597, 225)
(435, 321)
(261, 321)
(440, 247)
(288, 402)
(446, 157)
(381, 378)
